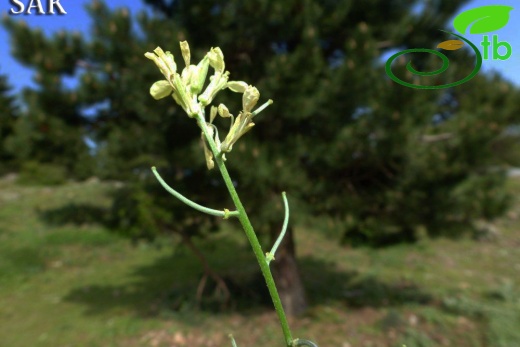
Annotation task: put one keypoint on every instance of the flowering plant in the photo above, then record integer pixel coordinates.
(186, 88)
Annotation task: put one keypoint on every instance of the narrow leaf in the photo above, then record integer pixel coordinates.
(451, 45)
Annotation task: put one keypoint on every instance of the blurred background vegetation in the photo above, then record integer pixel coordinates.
(396, 193)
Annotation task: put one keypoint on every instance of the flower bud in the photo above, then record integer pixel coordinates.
(198, 77)
(185, 50)
(161, 89)
(187, 74)
(207, 152)
(237, 86)
(250, 98)
(216, 59)
(212, 113)
(223, 111)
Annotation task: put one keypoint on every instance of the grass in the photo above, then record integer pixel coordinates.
(80, 285)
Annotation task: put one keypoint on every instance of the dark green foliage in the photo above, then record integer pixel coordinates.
(8, 112)
(34, 173)
(144, 211)
(78, 214)
(51, 130)
(134, 213)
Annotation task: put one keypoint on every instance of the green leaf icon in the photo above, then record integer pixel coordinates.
(484, 19)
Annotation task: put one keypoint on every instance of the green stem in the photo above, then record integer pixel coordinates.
(250, 233)
(270, 255)
(225, 214)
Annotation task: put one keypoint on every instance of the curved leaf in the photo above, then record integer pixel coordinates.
(451, 45)
(484, 19)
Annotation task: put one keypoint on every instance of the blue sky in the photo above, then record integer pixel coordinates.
(77, 19)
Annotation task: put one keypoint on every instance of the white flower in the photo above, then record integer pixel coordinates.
(186, 86)
(174, 83)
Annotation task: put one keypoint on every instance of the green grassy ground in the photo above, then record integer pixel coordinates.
(76, 284)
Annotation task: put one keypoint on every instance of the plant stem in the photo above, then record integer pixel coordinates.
(192, 204)
(250, 233)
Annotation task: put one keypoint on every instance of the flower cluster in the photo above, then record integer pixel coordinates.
(187, 87)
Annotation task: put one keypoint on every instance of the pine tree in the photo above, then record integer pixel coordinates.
(51, 132)
(8, 112)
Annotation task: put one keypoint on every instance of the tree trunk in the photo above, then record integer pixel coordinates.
(286, 274)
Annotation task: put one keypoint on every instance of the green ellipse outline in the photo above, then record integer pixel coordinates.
(444, 67)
